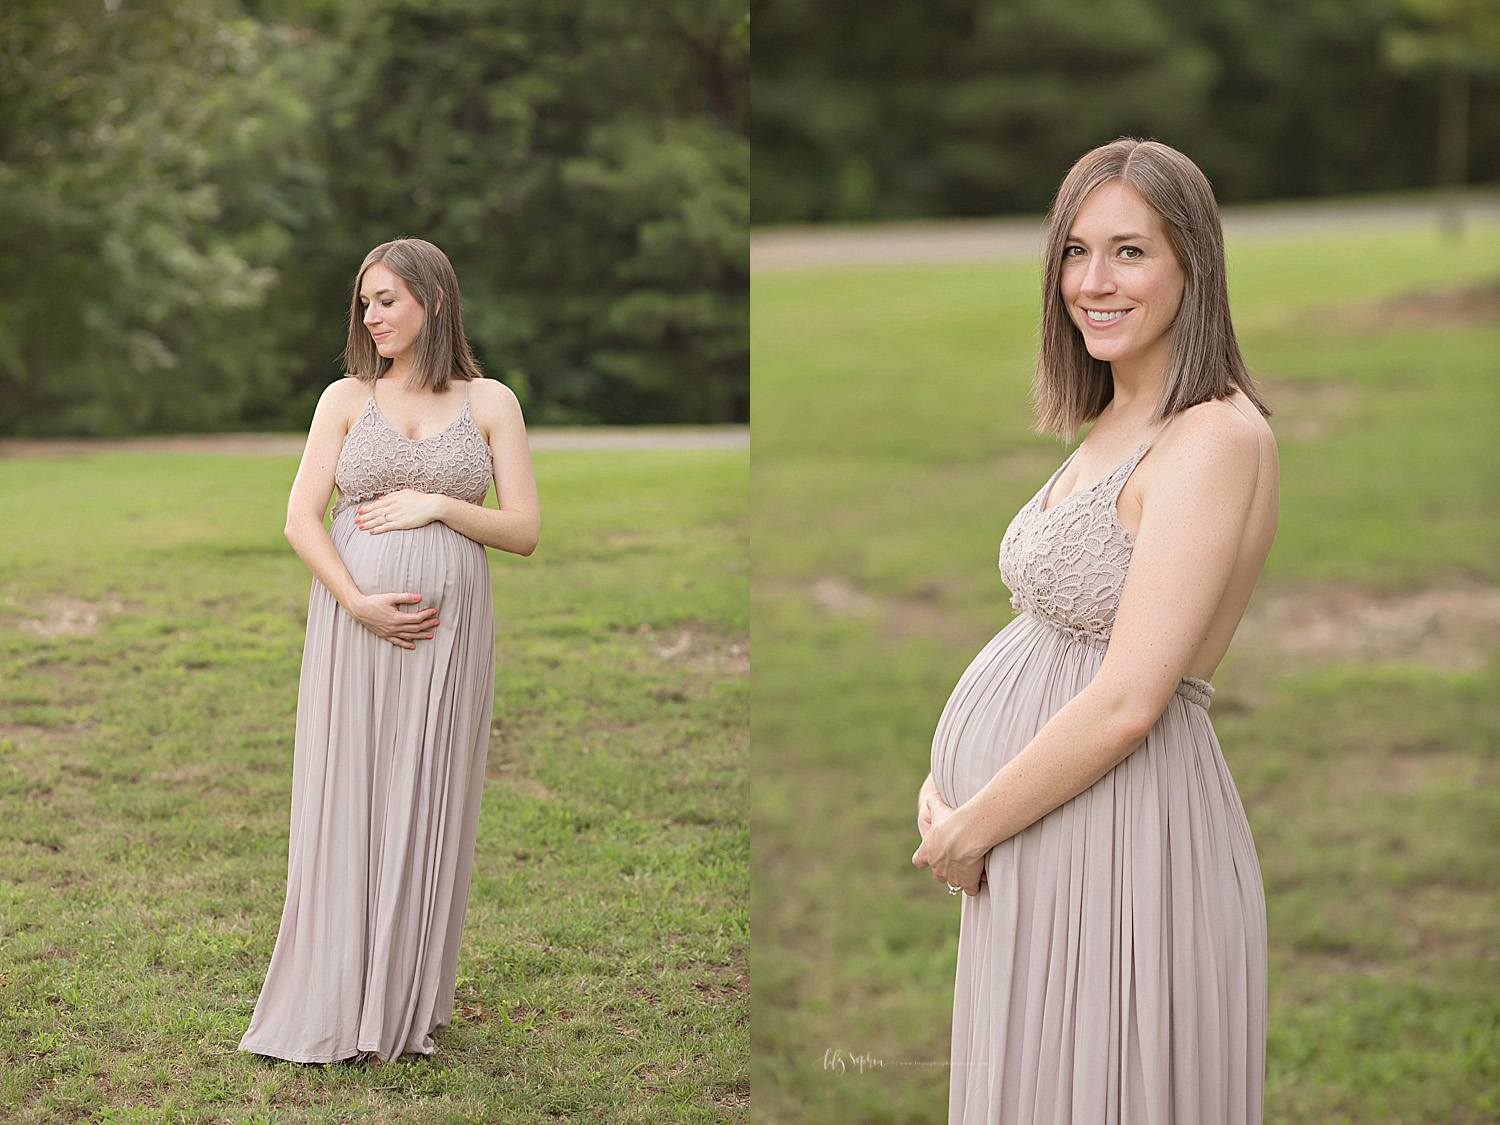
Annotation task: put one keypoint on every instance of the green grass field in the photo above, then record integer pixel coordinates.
(148, 678)
(1359, 711)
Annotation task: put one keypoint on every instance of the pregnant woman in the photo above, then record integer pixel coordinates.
(393, 708)
(1112, 947)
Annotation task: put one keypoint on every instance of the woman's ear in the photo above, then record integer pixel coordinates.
(437, 306)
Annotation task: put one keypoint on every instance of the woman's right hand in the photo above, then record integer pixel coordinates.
(380, 614)
(924, 807)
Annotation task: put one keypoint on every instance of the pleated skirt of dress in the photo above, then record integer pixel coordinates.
(387, 776)
(1113, 968)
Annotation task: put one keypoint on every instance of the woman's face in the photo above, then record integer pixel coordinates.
(393, 316)
(1121, 282)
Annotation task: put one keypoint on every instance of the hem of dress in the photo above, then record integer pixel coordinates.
(1195, 691)
(294, 1056)
(326, 1058)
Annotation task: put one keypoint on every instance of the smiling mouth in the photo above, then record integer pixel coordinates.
(1100, 317)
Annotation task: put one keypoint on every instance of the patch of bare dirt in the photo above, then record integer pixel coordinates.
(699, 648)
(900, 617)
(70, 617)
(22, 733)
(1405, 773)
(1478, 302)
(1455, 626)
(726, 987)
(1423, 309)
(1305, 410)
(838, 596)
(500, 767)
(528, 787)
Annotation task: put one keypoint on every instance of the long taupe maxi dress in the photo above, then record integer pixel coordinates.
(387, 770)
(1113, 968)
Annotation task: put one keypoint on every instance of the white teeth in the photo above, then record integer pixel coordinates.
(1102, 317)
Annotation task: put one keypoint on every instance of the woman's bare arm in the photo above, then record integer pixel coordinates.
(1192, 524)
(516, 524)
(311, 491)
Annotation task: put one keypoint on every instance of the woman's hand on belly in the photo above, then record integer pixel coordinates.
(380, 614)
(403, 510)
(928, 792)
(946, 848)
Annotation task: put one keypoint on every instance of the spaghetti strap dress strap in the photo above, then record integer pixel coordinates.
(1123, 471)
(1256, 428)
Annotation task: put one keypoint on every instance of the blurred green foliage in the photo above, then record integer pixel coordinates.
(190, 185)
(974, 107)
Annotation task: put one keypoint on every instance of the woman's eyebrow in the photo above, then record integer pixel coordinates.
(1128, 236)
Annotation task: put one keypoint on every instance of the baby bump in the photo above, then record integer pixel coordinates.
(1008, 692)
(434, 561)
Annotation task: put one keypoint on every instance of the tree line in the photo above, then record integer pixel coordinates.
(976, 107)
(189, 185)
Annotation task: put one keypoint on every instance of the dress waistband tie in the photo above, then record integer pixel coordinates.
(1194, 690)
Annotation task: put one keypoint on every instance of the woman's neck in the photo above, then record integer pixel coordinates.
(1137, 388)
(399, 371)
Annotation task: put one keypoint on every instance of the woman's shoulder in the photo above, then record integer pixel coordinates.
(1221, 437)
(493, 398)
(496, 412)
(344, 397)
(349, 388)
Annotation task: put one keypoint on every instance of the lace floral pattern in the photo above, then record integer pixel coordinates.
(376, 459)
(1067, 564)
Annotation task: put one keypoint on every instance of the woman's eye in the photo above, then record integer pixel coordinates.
(1072, 251)
(1130, 251)
(387, 304)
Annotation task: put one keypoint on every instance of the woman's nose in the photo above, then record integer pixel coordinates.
(1099, 278)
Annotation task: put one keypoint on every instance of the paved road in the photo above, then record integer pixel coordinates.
(543, 439)
(1008, 239)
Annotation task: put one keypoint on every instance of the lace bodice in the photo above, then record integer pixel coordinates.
(377, 459)
(1066, 565)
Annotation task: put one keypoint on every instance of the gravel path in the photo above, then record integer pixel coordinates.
(1018, 237)
(543, 439)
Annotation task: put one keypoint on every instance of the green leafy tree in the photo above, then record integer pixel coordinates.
(131, 144)
(975, 107)
(586, 169)
(1455, 41)
(955, 107)
(189, 185)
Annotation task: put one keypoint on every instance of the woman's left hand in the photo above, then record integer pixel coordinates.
(399, 511)
(945, 849)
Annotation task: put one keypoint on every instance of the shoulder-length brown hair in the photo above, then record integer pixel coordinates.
(1072, 387)
(442, 350)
